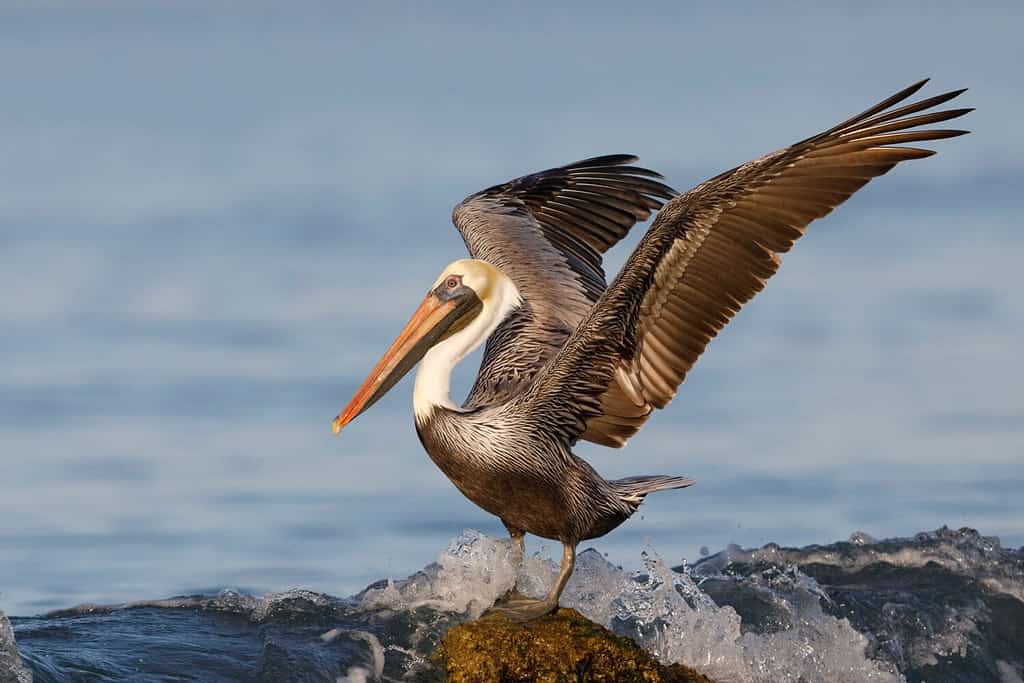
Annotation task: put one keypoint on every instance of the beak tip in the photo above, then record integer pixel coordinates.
(406, 351)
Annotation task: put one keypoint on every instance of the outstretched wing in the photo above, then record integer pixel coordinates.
(547, 232)
(707, 253)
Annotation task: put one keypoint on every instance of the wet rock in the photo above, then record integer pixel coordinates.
(11, 668)
(563, 646)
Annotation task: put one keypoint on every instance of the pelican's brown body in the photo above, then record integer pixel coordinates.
(569, 358)
(560, 497)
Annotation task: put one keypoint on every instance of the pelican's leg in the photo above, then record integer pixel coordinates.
(519, 537)
(526, 609)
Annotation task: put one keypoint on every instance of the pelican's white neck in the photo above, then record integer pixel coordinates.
(433, 379)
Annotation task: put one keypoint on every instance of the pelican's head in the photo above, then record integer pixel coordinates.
(467, 290)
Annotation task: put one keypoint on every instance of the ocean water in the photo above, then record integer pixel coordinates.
(941, 606)
(166, 422)
(212, 227)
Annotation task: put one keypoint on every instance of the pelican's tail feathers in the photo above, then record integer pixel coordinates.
(634, 489)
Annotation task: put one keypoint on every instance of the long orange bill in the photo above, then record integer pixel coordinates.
(423, 330)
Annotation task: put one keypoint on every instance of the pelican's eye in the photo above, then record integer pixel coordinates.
(452, 282)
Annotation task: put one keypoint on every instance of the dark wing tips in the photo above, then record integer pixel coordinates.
(580, 209)
(610, 163)
(604, 160)
(881, 106)
(614, 171)
(878, 114)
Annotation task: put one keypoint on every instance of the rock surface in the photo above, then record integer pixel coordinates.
(11, 668)
(564, 646)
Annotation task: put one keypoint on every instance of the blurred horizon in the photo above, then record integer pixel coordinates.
(216, 216)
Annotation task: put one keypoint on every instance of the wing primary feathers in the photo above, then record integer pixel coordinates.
(707, 253)
(867, 113)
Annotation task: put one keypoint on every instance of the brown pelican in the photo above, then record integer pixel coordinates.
(569, 358)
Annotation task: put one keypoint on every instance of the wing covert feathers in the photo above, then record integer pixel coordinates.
(547, 231)
(708, 252)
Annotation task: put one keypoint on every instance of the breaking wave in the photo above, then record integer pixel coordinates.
(943, 605)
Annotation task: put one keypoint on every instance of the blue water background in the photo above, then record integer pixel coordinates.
(215, 217)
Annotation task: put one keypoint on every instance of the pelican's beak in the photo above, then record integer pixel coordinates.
(432, 322)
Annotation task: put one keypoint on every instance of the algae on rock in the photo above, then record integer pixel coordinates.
(564, 646)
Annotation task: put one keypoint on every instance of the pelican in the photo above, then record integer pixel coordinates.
(569, 357)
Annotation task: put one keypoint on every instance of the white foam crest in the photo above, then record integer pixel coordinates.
(663, 610)
(1007, 673)
(291, 601)
(962, 551)
(467, 578)
(813, 645)
(360, 674)
(356, 674)
(667, 613)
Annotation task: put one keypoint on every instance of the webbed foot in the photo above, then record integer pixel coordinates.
(521, 609)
